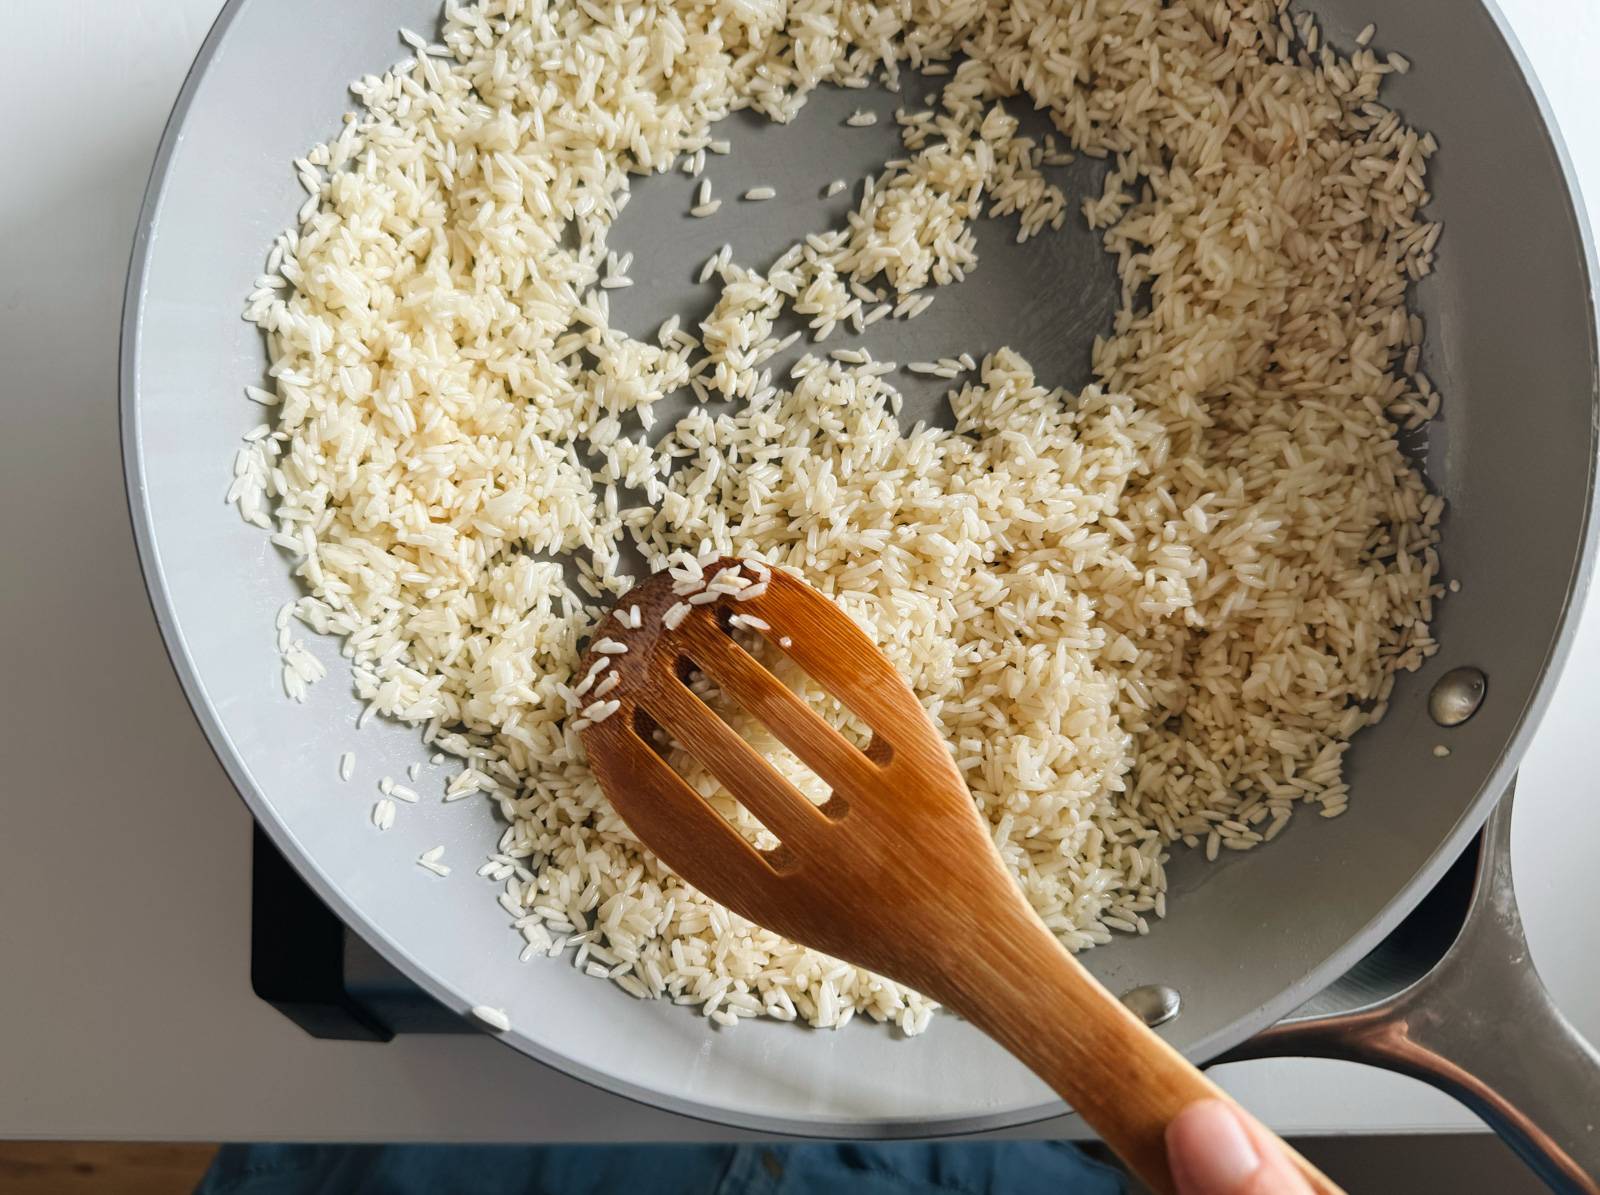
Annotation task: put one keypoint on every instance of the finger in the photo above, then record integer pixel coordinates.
(1278, 1171)
(1215, 1150)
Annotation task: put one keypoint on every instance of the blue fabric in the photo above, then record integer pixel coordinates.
(912, 1168)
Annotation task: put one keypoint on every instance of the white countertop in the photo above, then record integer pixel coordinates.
(125, 1003)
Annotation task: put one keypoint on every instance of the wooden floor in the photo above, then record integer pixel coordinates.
(103, 1168)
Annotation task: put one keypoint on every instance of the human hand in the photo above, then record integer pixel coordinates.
(1214, 1150)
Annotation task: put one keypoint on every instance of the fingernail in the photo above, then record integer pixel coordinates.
(1229, 1157)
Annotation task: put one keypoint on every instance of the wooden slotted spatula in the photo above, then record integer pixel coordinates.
(896, 872)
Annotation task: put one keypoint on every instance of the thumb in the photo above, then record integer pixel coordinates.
(1214, 1149)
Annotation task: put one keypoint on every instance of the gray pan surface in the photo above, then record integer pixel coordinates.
(1511, 343)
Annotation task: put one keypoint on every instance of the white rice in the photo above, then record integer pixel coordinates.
(495, 1018)
(1135, 613)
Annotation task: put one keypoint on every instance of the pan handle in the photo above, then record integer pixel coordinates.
(1481, 1027)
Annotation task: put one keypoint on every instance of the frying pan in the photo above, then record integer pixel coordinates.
(1511, 344)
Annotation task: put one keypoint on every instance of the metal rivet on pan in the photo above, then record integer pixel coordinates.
(1153, 1003)
(1457, 696)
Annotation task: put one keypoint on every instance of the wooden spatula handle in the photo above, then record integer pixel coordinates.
(1022, 988)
